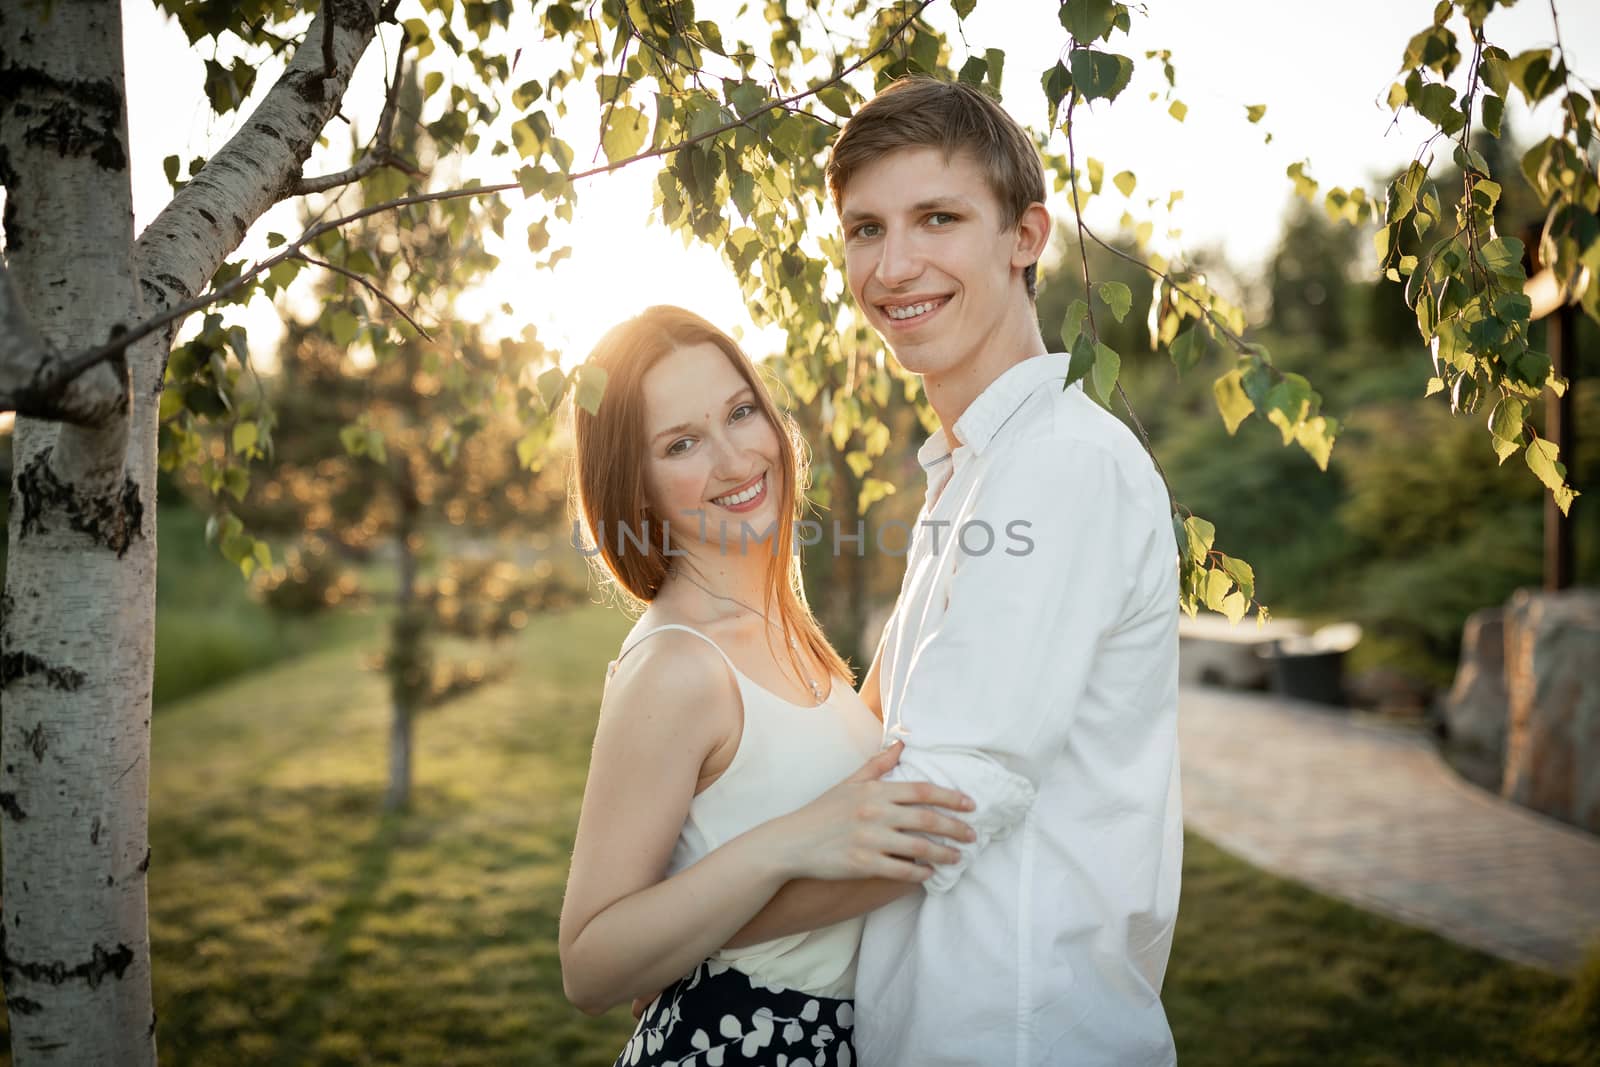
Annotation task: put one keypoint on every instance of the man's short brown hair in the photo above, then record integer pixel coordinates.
(921, 112)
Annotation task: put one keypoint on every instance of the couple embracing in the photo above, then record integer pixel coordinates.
(973, 858)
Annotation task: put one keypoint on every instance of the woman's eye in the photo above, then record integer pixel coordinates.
(674, 450)
(746, 409)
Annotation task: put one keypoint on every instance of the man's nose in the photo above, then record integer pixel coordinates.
(900, 261)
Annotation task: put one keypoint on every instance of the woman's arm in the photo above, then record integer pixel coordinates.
(625, 930)
(810, 903)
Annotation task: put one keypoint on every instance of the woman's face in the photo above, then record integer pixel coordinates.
(712, 458)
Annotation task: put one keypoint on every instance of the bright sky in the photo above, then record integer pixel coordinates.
(1323, 69)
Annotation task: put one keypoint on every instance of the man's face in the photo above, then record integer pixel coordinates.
(928, 257)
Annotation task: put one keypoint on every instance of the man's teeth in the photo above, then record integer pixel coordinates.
(913, 310)
(741, 498)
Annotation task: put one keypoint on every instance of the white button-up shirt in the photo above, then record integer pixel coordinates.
(1032, 662)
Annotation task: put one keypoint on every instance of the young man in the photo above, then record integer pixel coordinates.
(1031, 660)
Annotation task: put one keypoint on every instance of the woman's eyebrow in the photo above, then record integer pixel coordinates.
(682, 426)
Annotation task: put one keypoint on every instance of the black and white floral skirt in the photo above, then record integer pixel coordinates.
(717, 1015)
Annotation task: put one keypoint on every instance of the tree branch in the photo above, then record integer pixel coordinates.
(79, 363)
(207, 218)
(379, 154)
(1088, 299)
(379, 293)
(31, 382)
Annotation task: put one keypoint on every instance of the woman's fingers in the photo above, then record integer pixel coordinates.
(879, 764)
(900, 870)
(928, 821)
(927, 793)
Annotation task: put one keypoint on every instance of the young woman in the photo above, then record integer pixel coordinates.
(728, 757)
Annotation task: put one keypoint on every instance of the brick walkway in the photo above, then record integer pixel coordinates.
(1368, 812)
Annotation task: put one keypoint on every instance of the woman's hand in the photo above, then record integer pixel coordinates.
(864, 828)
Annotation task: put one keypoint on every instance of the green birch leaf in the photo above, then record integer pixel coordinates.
(1072, 325)
(1107, 365)
(551, 384)
(1189, 348)
(1541, 456)
(1217, 585)
(591, 387)
(1083, 358)
(1117, 296)
(354, 439)
(1255, 111)
(1494, 110)
(1100, 75)
(343, 327)
(835, 100)
(1241, 572)
(625, 133)
(1125, 182)
(1088, 20)
(1232, 402)
(872, 491)
(1316, 436)
(1503, 255)
(1505, 426)
(1056, 83)
(1200, 535)
(1234, 606)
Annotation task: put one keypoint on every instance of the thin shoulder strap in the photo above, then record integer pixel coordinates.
(672, 626)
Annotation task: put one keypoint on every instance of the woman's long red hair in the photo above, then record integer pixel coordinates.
(608, 484)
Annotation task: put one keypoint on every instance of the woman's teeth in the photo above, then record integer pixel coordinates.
(741, 498)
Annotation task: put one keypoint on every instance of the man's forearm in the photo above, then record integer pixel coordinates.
(812, 903)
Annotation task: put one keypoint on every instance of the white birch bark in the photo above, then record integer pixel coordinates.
(77, 620)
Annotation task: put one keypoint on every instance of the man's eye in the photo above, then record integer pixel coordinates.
(867, 229)
(941, 218)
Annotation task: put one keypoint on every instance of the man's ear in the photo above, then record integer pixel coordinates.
(1033, 233)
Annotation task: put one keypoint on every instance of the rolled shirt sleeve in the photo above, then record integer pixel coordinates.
(988, 674)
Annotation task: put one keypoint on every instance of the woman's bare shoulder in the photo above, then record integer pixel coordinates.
(674, 679)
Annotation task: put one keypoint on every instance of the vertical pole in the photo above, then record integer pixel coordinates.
(1562, 325)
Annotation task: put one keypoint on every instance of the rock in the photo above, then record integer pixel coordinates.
(1553, 741)
(1476, 708)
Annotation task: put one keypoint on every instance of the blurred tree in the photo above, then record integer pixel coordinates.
(404, 446)
(1309, 276)
(388, 460)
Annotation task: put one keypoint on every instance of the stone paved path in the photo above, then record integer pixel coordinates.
(1370, 813)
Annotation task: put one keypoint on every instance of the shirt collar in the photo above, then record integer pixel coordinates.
(991, 408)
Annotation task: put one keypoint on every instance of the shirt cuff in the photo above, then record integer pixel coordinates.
(1003, 800)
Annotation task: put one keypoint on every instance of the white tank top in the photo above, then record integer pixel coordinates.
(788, 755)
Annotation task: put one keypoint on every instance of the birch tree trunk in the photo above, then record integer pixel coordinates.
(77, 618)
(79, 603)
(409, 664)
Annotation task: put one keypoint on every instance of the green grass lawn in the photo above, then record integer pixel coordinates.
(292, 925)
(209, 628)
